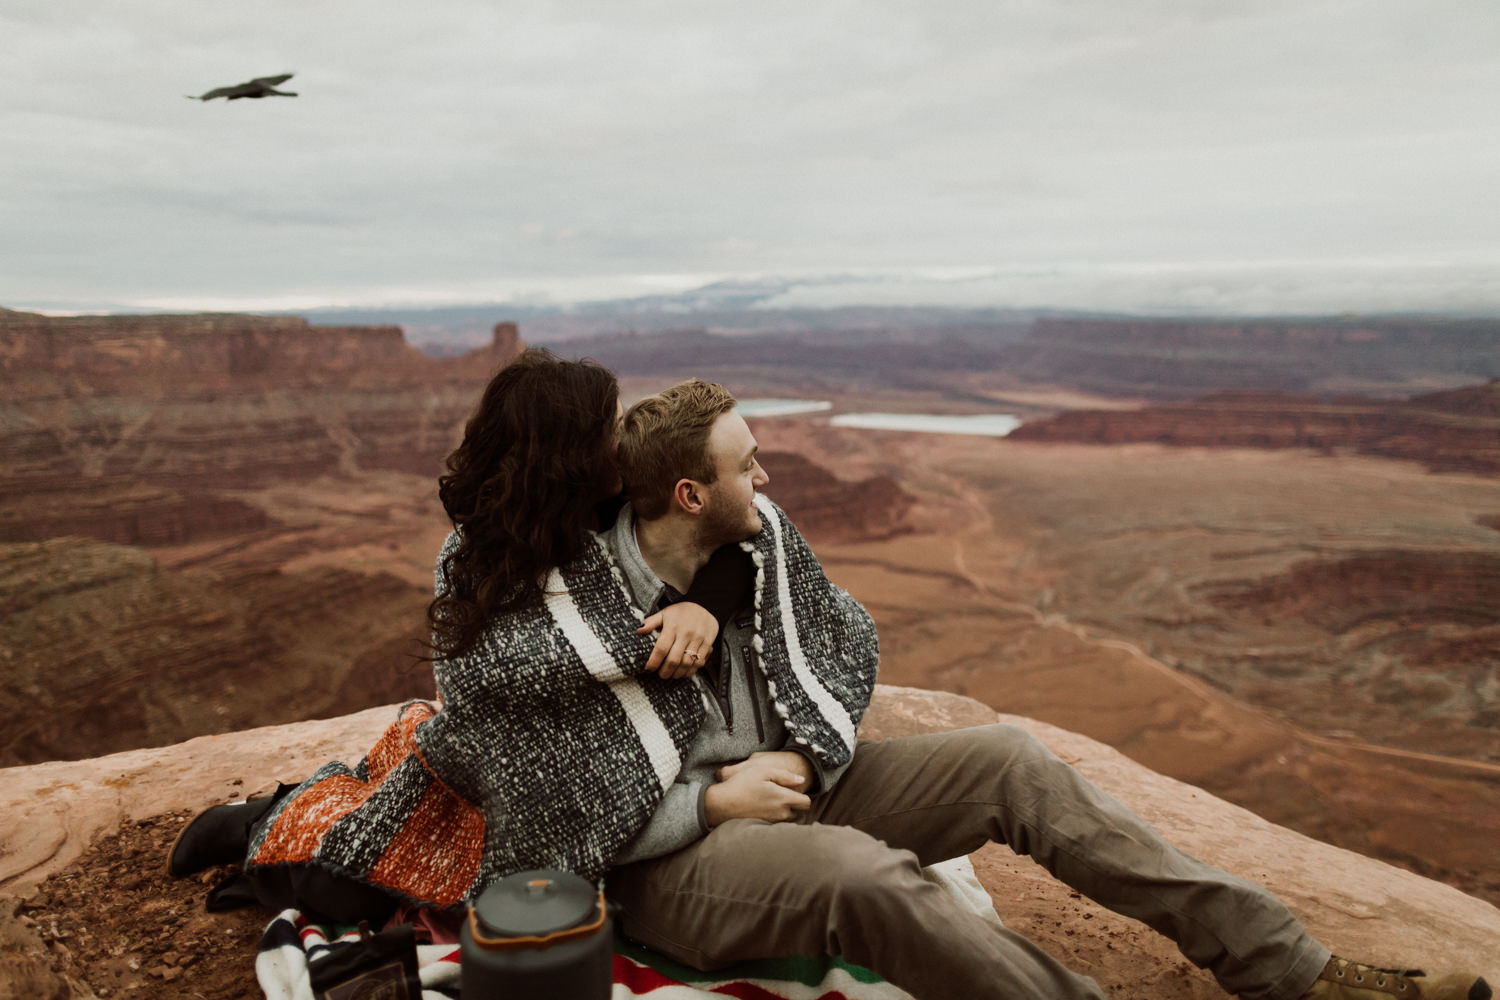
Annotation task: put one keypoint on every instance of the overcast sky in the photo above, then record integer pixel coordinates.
(1154, 155)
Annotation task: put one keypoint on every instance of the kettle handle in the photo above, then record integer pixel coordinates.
(544, 941)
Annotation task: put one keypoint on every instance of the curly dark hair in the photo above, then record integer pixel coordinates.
(537, 458)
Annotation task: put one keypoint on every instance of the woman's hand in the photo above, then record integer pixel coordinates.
(686, 640)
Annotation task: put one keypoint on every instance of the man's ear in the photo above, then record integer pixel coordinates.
(688, 496)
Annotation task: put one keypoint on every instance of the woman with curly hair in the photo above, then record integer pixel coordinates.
(534, 477)
(417, 820)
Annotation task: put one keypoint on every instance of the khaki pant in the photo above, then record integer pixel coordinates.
(845, 880)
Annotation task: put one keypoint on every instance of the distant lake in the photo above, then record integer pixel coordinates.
(984, 424)
(780, 407)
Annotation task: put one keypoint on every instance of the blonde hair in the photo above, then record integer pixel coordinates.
(664, 438)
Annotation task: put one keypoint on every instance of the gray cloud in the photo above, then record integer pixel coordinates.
(470, 148)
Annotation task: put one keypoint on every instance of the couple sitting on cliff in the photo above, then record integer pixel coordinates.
(710, 776)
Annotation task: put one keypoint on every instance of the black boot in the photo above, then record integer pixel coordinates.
(219, 835)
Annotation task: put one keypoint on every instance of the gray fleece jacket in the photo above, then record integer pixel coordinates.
(739, 720)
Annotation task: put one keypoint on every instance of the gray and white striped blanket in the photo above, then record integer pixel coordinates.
(552, 732)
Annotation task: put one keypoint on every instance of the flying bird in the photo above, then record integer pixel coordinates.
(261, 86)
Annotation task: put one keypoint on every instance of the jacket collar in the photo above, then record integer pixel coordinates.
(645, 586)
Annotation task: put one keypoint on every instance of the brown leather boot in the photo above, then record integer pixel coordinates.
(1345, 980)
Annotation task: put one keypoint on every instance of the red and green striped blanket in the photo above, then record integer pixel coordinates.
(293, 949)
(296, 955)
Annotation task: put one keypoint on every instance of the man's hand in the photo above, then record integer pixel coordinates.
(784, 760)
(687, 638)
(750, 790)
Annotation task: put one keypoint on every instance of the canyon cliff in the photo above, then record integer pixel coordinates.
(1183, 358)
(825, 506)
(100, 406)
(104, 649)
(219, 350)
(1452, 430)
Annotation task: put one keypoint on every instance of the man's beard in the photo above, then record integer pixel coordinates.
(724, 522)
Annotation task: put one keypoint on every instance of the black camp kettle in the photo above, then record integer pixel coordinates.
(538, 935)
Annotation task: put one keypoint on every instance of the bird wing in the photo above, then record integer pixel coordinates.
(254, 88)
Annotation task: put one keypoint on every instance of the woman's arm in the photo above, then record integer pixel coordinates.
(724, 586)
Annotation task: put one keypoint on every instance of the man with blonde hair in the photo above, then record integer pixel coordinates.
(664, 440)
(775, 835)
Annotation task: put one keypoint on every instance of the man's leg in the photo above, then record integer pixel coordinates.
(761, 890)
(945, 794)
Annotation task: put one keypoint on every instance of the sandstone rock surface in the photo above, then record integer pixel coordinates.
(1359, 907)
